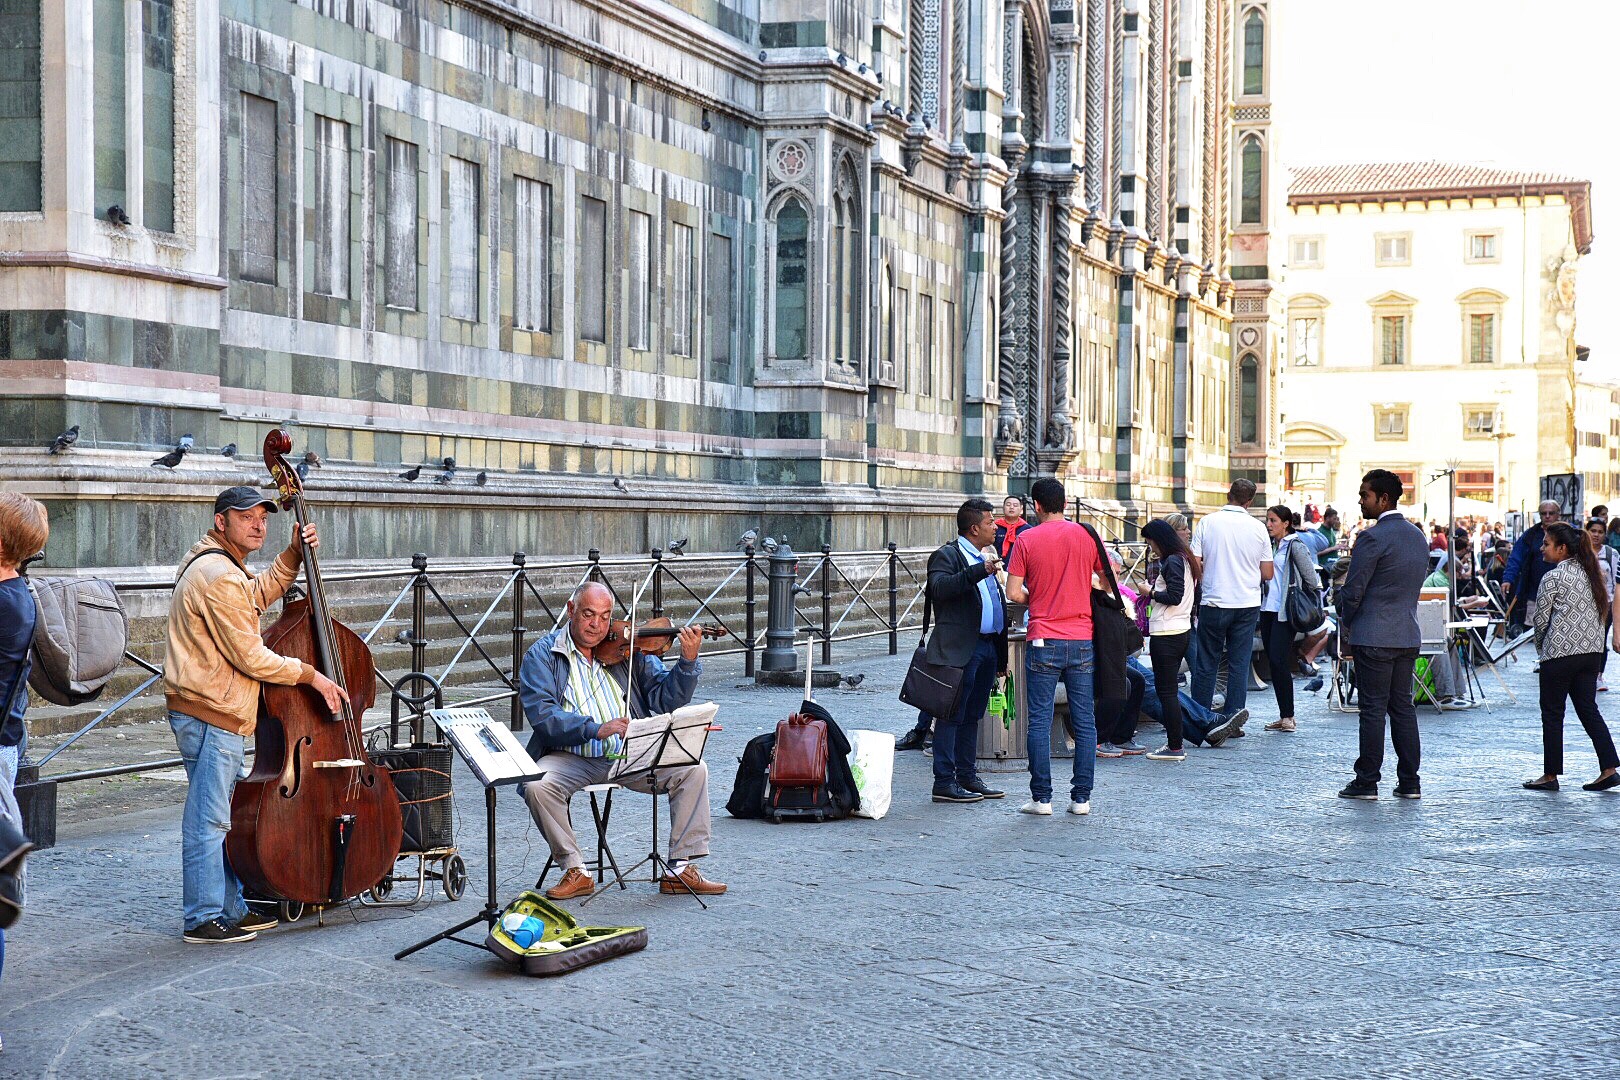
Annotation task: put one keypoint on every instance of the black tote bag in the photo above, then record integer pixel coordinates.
(931, 688)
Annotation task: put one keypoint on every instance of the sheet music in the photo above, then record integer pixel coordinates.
(689, 731)
(487, 746)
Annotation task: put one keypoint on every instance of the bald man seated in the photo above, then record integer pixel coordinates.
(576, 707)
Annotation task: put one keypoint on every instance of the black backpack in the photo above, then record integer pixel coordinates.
(835, 799)
(753, 768)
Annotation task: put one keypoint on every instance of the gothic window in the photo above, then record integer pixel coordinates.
(20, 155)
(259, 181)
(1252, 193)
(638, 281)
(1249, 399)
(331, 238)
(531, 256)
(792, 280)
(592, 269)
(683, 276)
(847, 294)
(157, 113)
(462, 238)
(1254, 53)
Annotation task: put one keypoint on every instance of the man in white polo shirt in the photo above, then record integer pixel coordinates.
(1236, 554)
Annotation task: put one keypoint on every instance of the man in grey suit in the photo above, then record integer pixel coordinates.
(1378, 619)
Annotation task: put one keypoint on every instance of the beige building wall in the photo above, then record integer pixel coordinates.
(1474, 297)
(1597, 441)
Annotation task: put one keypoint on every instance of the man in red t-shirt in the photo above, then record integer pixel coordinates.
(1050, 570)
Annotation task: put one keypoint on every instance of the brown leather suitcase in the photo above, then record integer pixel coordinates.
(800, 759)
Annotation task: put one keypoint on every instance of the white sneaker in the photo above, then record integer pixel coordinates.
(1039, 809)
(1081, 808)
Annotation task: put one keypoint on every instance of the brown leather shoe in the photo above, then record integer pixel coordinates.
(672, 886)
(574, 883)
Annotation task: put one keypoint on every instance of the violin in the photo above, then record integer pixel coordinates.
(653, 638)
(316, 821)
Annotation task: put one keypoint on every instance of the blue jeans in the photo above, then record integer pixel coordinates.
(956, 740)
(213, 759)
(1229, 631)
(1044, 665)
(1195, 719)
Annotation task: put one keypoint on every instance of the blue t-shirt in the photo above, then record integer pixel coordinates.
(16, 634)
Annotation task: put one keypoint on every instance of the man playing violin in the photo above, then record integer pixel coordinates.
(215, 662)
(576, 706)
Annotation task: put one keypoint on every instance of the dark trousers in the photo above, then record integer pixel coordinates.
(1166, 651)
(956, 739)
(1228, 631)
(1574, 677)
(1116, 720)
(1279, 639)
(1384, 687)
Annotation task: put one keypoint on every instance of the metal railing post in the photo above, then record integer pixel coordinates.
(657, 583)
(419, 586)
(595, 572)
(894, 600)
(519, 585)
(826, 605)
(748, 611)
(780, 617)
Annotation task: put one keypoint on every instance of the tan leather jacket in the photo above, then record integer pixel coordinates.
(216, 656)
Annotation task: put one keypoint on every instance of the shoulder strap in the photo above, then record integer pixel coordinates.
(16, 677)
(1102, 557)
(209, 551)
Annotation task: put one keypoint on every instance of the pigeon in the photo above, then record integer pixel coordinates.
(769, 545)
(411, 473)
(403, 637)
(678, 547)
(312, 459)
(855, 680)
(65, 440)
(618, 482)
(303, 471)
(482, 478)
(173, 457)
(187, 442)
(228, 450)
(449, 470)
(747, 538)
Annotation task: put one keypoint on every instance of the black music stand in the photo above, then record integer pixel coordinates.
(654, 744)
(498, 760)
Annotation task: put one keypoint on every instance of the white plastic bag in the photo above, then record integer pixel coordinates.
(871, 759)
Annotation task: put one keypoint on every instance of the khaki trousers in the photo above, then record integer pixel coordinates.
(687, 787)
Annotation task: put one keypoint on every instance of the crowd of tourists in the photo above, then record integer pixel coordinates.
(1182, 651)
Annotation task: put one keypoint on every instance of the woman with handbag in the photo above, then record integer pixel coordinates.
(1294, 569)
(1170, 628)
(1569, 637)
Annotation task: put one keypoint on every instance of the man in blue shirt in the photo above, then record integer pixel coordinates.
(970, 633)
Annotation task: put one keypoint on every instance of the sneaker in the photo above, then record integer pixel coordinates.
(1455, 704)
(217, 932)
(1109, 750)
(1355, 790)
(1036, 807)
(1222, 731)
(1217, 702)
(1164, 753)
(1080, 808)
(255, 922)
(1405, 791)
(1131, 748)
(1240, 718)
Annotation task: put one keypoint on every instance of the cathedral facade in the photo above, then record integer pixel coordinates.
(642, 268)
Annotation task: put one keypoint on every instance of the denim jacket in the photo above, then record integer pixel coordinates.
(544, 674)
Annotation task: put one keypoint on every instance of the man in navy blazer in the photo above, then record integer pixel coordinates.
(1377, 607)
(970, 632)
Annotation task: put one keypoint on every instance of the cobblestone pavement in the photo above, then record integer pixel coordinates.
(1223, 917)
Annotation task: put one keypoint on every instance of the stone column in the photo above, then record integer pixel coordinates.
(1058, 445)
(1009, 441)
(1096, 94)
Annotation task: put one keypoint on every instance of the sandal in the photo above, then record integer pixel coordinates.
(1285, 724)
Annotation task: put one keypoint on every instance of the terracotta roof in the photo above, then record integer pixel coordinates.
(1401, 180)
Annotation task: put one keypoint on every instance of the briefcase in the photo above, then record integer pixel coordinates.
(931, 688)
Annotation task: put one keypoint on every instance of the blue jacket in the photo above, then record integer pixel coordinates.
(544, 674)
(1525, 566)
(1377, 604)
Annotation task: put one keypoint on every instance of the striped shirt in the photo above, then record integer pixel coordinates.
(594, 692)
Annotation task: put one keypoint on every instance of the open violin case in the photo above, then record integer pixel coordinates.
(566, 945)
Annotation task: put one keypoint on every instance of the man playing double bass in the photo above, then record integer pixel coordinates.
(576, 707)
(216, 660)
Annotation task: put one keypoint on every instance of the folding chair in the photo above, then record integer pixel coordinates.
(1342, 684)
(1431, 617)
(601, 812)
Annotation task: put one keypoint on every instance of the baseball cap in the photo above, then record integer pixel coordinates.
(243, 497)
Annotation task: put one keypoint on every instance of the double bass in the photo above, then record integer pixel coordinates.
(315, 822)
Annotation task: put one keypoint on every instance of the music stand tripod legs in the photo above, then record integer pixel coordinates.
(660, 866)
(491, 912)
